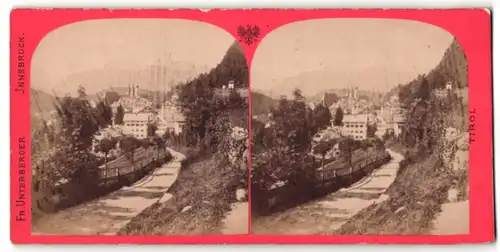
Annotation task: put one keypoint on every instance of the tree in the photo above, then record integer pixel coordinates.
(129, 144)
(378, 144)
(371, 129)
(364, 145)
(339, 116)
(202, 105)
(104, 114)
(77, 125)
(347, 147)
(424, 90)
(120, 113)
(389, 133)
(282, 149)
(106, 145)
(322, 148)
(322, 117)
(151, 130)
(160, 144)
(145, 144)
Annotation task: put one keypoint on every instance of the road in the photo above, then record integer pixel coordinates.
(107, 214)
(453, 219)
(325, 215)
(236, 221)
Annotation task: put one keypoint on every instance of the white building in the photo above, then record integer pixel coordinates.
(350, 103)
(393, 114)
(136, 124)
(170, 117)
(355, 126)
(132, 103)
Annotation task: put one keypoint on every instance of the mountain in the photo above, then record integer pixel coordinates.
(372, 96)
(324, 80)
(452, 67)
(261, 103)
(233, 66)
(41, 102)
(154, 77)
(41, 105)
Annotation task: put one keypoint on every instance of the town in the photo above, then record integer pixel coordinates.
(347, 149)
(124, 150)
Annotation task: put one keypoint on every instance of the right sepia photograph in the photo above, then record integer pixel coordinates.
(359, 127)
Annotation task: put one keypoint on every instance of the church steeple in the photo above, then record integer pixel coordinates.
(129, 90)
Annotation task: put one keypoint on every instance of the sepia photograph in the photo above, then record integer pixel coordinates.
(359, 127)
(139, 127)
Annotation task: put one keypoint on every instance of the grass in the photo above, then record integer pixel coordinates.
(206, 185)
(415, 197)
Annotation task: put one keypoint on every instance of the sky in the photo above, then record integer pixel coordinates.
(124, 44)
(368, 53)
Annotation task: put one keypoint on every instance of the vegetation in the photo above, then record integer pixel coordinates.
(261, 104)
(120, 113)
(208, 178)
(151, 130)
(68, 150)
(208, 115)
(423, 181)
(281, 152)
(339, 116)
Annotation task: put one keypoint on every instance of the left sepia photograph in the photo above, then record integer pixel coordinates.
(139, 127)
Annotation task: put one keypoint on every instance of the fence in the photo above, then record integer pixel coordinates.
(333, 176)
(117, 173)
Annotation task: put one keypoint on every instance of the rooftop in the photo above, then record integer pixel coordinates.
(355, 118)
(136, 116)
(243, 92)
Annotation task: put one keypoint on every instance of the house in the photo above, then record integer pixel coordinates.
(136, 124)
(132, 102)
(382, 127)
(355, 126)
(225, 91)
(170, 117)
(440, 93)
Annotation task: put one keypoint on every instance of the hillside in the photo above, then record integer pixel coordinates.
(154, 77)
(41, 104)
(207, 173)
(453, 66)
(261, 103)
(233, 66)
(436, 159)
(377, 79)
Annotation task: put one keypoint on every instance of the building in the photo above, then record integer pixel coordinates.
(355, 126)
(382, 127)
(136, 124)
(350, 103)
(225, 91)
(132, 103)
(393, 114)
(170, 117)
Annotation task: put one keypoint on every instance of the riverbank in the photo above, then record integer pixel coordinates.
(326, 214)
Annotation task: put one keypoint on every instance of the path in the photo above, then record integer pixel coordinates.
(236, 221)
(453, 219)
(329, 213)
(107, 214)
